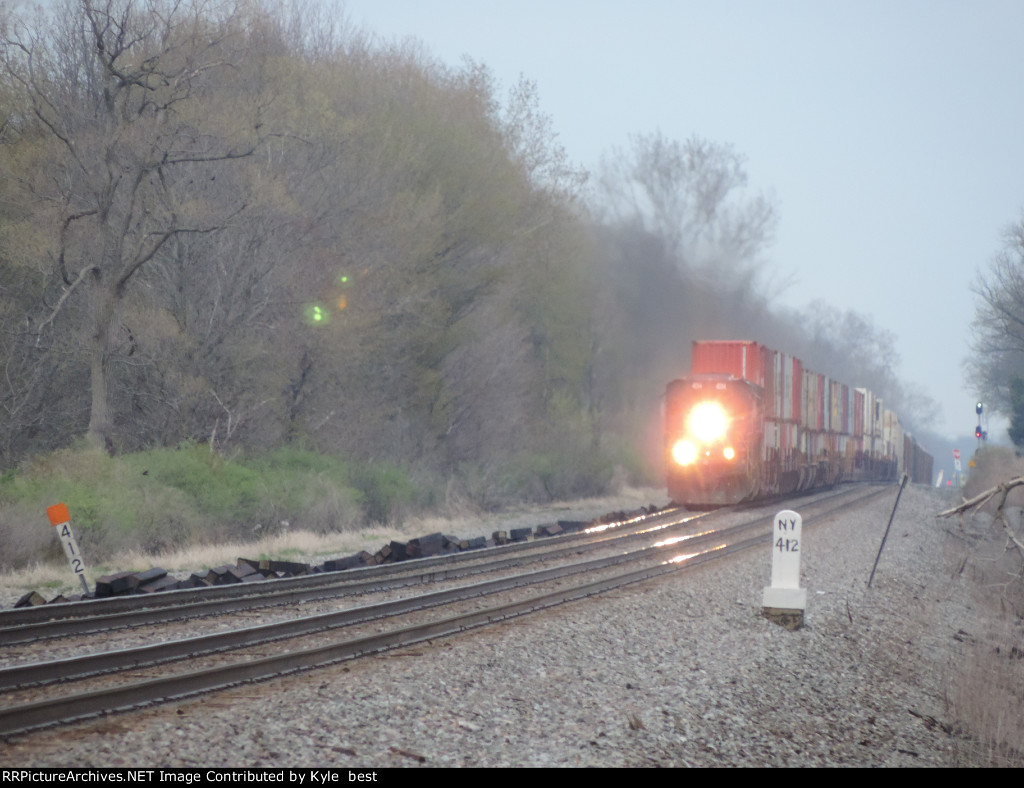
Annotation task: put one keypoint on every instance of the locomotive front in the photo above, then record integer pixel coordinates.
(713, 440)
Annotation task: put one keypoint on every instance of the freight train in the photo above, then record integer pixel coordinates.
(750, 422)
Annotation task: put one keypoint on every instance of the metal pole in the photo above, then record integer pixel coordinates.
(885, 536)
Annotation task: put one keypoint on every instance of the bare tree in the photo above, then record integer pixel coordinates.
(116, 90)
(998, 328)
(691, 196)
(530, 138)
(978, 502)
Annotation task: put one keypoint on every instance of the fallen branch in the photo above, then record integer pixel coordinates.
(982, 498)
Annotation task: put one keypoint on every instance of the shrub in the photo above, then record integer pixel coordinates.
(386, 491)
(559, 475)
(165, 498)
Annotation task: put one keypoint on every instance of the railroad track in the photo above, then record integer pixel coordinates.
(32, 624)
(45, 693)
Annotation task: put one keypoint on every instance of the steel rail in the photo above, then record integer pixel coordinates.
(404, 576)
(66, 708)
(41, 673)
(359, 579)
(72, 707)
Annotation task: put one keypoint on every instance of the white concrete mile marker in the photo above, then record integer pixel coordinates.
(784, 600)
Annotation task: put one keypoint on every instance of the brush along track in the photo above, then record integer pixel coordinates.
(30, 625)
(468, 613)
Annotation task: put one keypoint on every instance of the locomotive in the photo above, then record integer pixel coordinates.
(750, 422)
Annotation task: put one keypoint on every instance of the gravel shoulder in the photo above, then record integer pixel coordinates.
(684, 671)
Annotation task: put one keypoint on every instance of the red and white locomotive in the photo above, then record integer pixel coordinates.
(751, 422)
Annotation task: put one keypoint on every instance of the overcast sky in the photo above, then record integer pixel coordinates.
(891, 133)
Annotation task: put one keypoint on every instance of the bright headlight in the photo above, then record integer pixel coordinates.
(707, 422)
(684, 452)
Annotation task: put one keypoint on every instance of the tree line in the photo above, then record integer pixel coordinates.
(249, 225)
(997, 363)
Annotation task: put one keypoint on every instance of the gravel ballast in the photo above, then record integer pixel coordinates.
(683, 671)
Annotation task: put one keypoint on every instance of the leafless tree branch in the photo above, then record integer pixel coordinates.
(979, 500)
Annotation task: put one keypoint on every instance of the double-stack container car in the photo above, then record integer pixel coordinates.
(750, 422)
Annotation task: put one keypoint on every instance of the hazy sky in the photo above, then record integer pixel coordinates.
(890, 133)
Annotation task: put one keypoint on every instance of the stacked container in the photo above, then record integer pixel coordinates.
(812, 431)
(805, 413)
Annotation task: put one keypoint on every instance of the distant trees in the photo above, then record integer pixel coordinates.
(1016, 429)
(683, 241)
(692, 196)
(849, 347)
(998, 329)
(678, 253)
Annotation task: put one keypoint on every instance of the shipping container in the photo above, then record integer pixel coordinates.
(892, 435)
(809, 415)
(798, 387)
(743, 360)
(836, 423)
(858, 413)
(774, 391)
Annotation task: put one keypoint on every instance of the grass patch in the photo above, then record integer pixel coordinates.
(163, 499)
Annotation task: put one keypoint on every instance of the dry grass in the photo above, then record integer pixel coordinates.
(987, 699)
(55, 577)
(994, 465)
(52, 576)
(986, 696)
